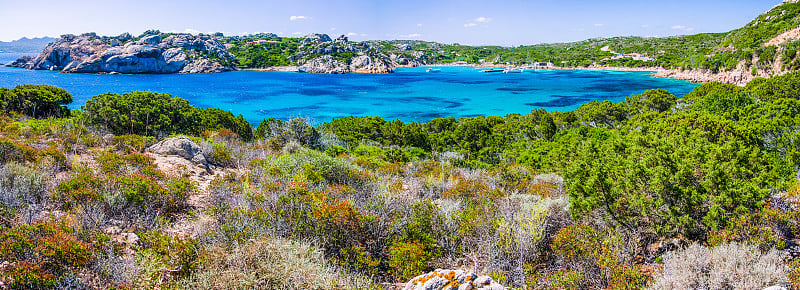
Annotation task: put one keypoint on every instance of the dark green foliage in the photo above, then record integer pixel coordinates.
(265, 55)
(158, 114)
(657, 100)
(353, 130)
(215, 119)
(681, 179)
(37, 101)
(279, 133)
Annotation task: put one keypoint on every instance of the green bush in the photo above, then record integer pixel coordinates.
(37, 101)
(158, 114)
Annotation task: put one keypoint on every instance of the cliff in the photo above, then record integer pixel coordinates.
(152, 52)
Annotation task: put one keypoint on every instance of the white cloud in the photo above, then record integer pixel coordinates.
(413, 35)
(333, 28)
(681, 27)
(419, 24)
(297, 33)
(296, 18)
(645, 25)
(363, 34)
(598, 25)
(479, 20)
(350, 34)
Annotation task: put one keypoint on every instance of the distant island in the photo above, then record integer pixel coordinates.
(765, 47)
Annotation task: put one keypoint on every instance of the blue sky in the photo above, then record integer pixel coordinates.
(475, 22)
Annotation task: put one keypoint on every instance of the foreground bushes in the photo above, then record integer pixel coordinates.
(271, 264)
(129, 189)
(727, 266)
(157, 114)
(39, 255)
(35, 101)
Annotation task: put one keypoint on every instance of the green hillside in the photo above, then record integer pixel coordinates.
(714, 52)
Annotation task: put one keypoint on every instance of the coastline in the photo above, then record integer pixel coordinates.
(736, 77)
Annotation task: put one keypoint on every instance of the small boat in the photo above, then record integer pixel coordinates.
(493, 70)
(512, 70)
(433, 70)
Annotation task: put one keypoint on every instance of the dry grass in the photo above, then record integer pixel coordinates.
(272, 264)
(728, 266)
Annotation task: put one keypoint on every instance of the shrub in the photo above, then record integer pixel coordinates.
(332, 170)
(135, 198)
(272, 263)
(178, 255)
(117, 164)
(133, 143)
(727, 266)
(157, 114)
(767, 228)
(599, 256)
(670, 183)
(408, 259)
(23, 189)
(36, 100)
(297, 130)
(13, 151)
(41, 253)
(220, 155)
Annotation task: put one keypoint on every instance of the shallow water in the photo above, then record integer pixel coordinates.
(410, 94)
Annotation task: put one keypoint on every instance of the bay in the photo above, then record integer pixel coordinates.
(409, 94)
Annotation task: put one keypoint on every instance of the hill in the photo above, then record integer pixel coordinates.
(25, 45)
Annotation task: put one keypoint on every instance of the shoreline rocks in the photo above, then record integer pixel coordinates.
(88, 53)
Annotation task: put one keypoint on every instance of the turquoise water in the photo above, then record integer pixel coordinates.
(410, 94)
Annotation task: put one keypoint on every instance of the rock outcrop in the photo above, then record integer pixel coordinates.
(315, 38)
(151, 53)
(182, 147)
(369, 64)
(324, 64)
(359, 64)
(452, 280)
(366, 59)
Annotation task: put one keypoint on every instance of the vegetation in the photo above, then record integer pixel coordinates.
(611, 195)
(158, 114)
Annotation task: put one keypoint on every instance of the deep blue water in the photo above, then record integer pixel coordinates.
(410, 94)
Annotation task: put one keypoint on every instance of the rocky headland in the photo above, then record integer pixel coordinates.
(368, 58)
(152, 52)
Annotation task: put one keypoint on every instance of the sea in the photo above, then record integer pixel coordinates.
(409, 94)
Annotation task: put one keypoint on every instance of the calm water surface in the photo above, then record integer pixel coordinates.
(410, 94)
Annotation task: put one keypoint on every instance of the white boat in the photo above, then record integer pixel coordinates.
(493, 70)
(433, 70)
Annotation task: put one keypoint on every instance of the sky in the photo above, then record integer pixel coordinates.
(473, 22)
